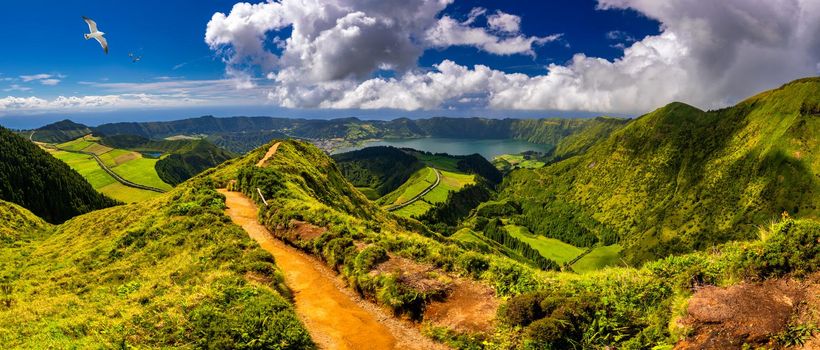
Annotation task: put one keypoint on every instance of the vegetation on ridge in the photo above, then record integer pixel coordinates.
(35, 180)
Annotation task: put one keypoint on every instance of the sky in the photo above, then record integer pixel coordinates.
(381, 59)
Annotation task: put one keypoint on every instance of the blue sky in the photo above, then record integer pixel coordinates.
(571, 53)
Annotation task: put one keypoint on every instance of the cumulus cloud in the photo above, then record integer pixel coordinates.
(504, 22)
(449, 32)
(334, 40)
(707, 54)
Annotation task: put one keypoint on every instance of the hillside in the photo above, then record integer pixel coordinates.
(59, 132)
(680, 179)
(379, 169)
(175, 272)
(180, 160)
(169, 272)
(402, 266)
(49, 188)
(185, 163)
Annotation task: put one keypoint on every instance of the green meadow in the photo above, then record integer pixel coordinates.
(549, 248)
(100, 180)
(598, 258)
(450, 182)
(141, 171)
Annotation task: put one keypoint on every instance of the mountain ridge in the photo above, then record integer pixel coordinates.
(703, 173)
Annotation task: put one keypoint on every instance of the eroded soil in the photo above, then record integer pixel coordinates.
(750, 313)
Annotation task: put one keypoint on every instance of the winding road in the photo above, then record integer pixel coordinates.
(418, 196)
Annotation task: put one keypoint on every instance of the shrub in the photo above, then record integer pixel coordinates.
(369, 257)
(523, 309)
(473, 263)
(337, 250)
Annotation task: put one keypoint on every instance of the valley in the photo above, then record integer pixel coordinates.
(611, 236)
(414, 174)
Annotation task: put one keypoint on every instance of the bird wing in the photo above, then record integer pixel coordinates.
(92, 26)
(103, 43)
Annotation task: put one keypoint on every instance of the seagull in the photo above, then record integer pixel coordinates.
(134, 58)
(96, 34)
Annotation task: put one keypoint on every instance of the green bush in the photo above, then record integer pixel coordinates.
(792, 248)
(474, 264)
(523, 309)
(337, 250)
(367, 259)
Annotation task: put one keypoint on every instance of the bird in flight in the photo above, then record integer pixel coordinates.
(96, 34)
(134, 58)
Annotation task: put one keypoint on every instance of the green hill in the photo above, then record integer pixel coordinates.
(60, 132)
(169, 272)
(35, 180)
(382, 169)
(185, 163)
(174, 271)
(680, 179)
(180, 160)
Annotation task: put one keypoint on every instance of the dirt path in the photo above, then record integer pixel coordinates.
(270, 153)
(334, 316)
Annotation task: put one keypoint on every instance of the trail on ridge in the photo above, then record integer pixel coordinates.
(335, 319)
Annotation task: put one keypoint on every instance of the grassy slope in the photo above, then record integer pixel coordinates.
(550, 248)
(169, 272)
(136, 168)
(598, 258)
(100, 180)
(679, 178)
(450, 182)
(416, 184)
(142, 171)
(629, 308)
(16, 224)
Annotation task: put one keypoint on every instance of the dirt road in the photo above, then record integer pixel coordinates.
(270, 153)
(334, 317)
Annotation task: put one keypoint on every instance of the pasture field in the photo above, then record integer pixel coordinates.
(100, 180)
(76, 145)
(141, 171)
(518, 161)
(450, 181)
(412, 187)
(116, 157)
(598, 258)
(549, 248)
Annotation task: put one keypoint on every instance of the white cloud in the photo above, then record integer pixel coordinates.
(49, 82)
(154, 94)
(708, 55)
(17, 87)
(28, 78)
(45, 79)
(449, 32)
(82, 103)
(335, 40)
(504, 22)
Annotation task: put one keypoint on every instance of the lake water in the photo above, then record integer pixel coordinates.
(486, 148)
